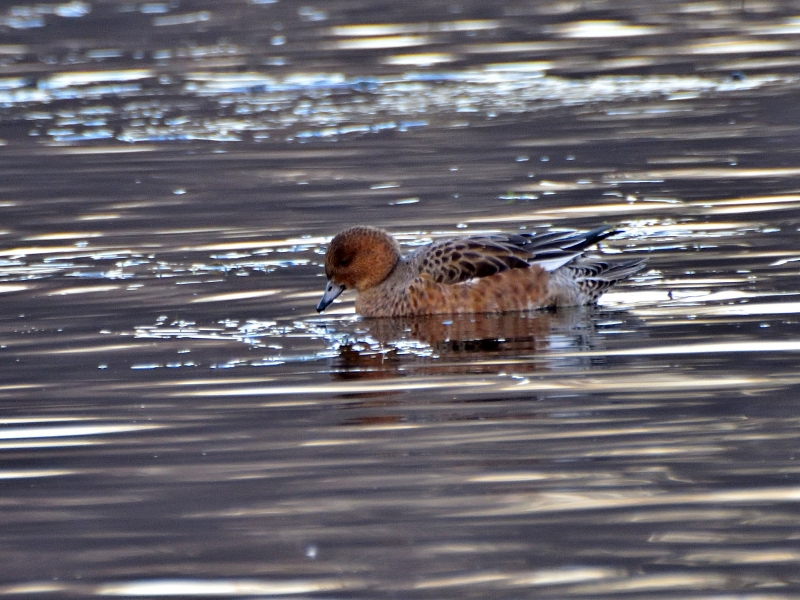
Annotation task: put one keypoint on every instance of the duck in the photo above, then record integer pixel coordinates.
(493, 273)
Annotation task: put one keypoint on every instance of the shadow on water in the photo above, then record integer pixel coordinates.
(176, 418)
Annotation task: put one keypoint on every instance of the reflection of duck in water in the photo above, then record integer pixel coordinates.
(434, 345)
(482, 274)
(466, 337)
(493, 332)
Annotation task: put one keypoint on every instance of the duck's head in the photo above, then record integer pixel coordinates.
(358, 258)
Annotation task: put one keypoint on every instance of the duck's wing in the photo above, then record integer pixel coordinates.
(457, 260)
(453, 261)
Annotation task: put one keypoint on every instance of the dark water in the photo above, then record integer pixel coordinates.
(178, 421)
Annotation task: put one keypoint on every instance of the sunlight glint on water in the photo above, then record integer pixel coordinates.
(178, 420)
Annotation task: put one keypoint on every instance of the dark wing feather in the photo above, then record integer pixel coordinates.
(453, 261)
(550, 245)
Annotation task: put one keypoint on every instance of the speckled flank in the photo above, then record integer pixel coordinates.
(509, 291)
(496, 274)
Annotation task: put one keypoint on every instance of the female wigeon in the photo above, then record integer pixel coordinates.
(481, 274)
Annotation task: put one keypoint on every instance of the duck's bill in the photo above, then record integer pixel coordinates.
(332, 291)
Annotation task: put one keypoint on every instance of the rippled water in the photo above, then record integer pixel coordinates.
(176, 418)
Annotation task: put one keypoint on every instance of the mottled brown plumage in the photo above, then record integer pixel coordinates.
(482, 274)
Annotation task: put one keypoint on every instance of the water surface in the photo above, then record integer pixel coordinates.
(178, 420)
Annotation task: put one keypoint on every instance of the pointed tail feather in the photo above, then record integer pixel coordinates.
(595, 277)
